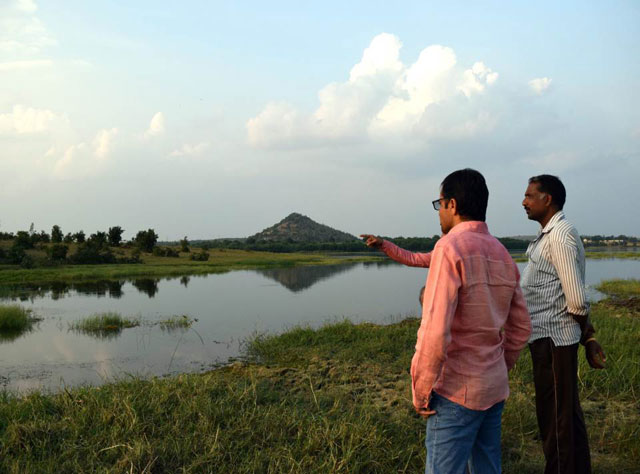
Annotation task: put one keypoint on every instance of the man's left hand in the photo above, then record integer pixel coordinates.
(425, 412)
(595, 354)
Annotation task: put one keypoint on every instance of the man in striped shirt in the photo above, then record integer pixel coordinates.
(553, 286)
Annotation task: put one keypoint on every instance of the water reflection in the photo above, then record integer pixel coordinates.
(57, 290)
(11, 335)
(300, 278)
(102, 334)
(149, 286)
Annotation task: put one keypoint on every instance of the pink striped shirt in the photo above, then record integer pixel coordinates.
(474, 318)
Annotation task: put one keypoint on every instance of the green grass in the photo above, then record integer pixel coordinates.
(103, 322)
(220, 261)
(14, 318)
(176, 322)
(331, 400)
(620, 288)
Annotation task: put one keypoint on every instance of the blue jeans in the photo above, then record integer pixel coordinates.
(459, 438)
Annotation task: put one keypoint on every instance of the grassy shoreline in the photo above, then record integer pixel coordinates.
(219, 262)
(334, 400)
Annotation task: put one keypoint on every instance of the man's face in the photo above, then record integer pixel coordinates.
(535, 203)
(446, 215)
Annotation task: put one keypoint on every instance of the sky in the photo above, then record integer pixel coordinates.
(218, 119)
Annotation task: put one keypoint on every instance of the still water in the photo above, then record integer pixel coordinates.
(228, 307)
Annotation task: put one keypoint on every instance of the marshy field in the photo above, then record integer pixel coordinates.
(334, 399)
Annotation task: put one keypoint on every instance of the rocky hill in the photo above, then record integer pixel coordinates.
(298, 228)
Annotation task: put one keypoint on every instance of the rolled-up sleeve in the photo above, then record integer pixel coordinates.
(411, 259)
(565, 259)
(434, 335)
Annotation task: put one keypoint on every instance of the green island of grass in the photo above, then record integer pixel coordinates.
(15, 321)
(331, 400)
(103, 322)
(177, 322)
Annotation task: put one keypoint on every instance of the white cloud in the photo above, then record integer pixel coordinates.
(27, 64)
(24, 120)
(476, 79)
(21, 32)
(383, 98)
(540, 85)
(102, 142)
(28, 6)
(190, 150)
(156, 126)
(82, 159)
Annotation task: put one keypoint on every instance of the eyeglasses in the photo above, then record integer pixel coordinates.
(437, 204)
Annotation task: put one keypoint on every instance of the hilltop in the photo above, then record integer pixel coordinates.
(298, 228)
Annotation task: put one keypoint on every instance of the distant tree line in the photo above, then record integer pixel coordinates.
(610, 240)
(415, 244)
(97, 248)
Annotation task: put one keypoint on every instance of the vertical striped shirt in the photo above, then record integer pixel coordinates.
(553, 282)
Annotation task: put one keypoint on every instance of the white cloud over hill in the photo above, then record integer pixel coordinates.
(384, 98)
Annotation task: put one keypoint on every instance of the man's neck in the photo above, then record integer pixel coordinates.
(545, 220)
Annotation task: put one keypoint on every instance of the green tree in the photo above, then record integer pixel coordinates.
(23, 240)
(115, 236)
(56, 234)
(57, 252)
(79, 237)
(184, 244)
(99, 239)
(146, 240)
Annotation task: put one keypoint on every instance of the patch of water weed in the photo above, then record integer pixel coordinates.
(176, 322)
(105, 325)
(15, 321)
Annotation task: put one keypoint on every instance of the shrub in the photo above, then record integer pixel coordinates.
(15, 254)
(165, 252)
(27, 262)
(57, 252)
(200, 256)
(90, 252)
(146, 240)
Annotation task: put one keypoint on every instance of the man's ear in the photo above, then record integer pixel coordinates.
(453, 205)
(548, 199)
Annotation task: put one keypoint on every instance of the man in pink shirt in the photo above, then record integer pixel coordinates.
(474, 324)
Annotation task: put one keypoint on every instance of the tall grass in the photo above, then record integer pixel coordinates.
(14, 318)
(101, 322)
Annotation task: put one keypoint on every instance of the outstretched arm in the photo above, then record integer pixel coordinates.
(411, 259)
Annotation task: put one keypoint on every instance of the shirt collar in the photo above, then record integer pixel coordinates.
(470, 226)
(557, 217)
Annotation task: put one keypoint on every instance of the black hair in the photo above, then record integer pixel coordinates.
(469, 189)
(551, 185)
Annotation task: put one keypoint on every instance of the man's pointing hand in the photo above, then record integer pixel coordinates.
(372, 240)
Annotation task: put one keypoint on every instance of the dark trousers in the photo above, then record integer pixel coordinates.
(560, 418)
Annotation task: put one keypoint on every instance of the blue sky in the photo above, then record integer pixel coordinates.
(216, 119)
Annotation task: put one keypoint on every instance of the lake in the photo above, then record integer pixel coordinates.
(229, 308)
